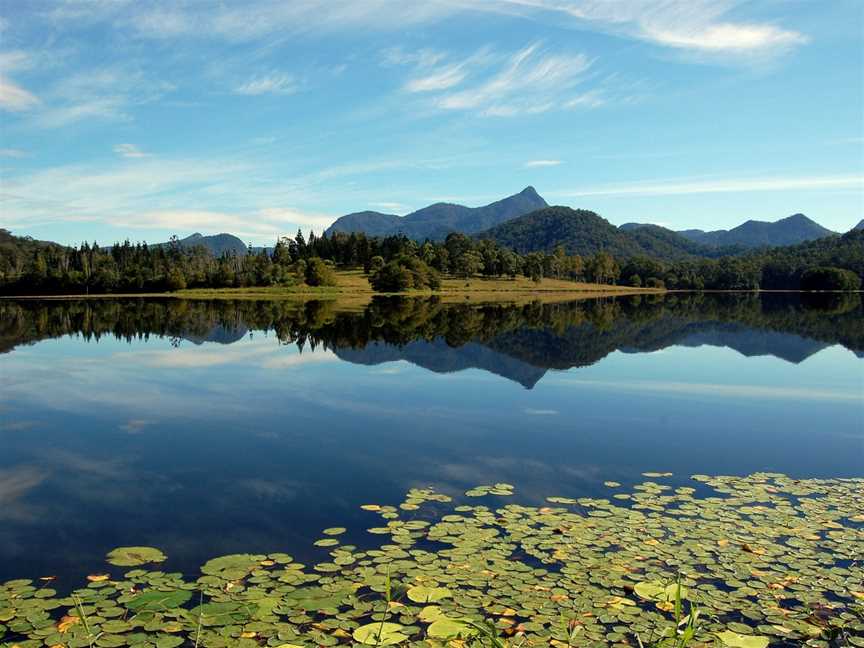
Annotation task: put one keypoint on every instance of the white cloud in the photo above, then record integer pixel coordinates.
(271, 84)
(129, 151)
(726, 185)
(13, 153)
(533, 164)
(726, 37)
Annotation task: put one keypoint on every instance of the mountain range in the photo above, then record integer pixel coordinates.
(437, 221)
(786, 231)
(526, 222)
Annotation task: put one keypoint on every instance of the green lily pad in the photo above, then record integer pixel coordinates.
(446, 628)
(421, 594)
(221, 614)
(380, 634)
(735, 640)
(135, 556)
(155, 601)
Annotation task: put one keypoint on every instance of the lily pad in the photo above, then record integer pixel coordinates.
(135, 556)
(380, 634)
(422, 594)
(155, 601)
(735, 640)
(446, 628)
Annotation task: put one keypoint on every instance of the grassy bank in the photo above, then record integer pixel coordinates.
(353, 287)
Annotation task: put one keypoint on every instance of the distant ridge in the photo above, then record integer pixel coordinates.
(859, 226)
(437, 221)
(786, 231)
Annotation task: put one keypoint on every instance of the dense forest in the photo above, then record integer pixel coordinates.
(397, 263)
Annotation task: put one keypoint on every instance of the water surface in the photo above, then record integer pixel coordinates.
(207, 428)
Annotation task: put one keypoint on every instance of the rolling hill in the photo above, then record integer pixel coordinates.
(583, 232)
(437, 221)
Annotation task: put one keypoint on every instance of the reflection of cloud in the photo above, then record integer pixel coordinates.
(17, 426)
(294, 360)
(269, 489)
(134, 426)
(14, 484)
(541, 412)
(722, 391)
(78, 463)
(386, 371)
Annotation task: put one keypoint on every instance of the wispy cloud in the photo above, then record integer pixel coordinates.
(390, 206)
(13, 153)
(107, 93)
(270, 84)
(129, 151)
(711, 390)
(529, 81)
(720, 185)
(534, 164)
(699, 26)
(422, 58)
(442, 79)
(14, 98)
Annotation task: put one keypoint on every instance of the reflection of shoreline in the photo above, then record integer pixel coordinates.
(517, 341)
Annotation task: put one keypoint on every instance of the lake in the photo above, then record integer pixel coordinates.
(207, 428)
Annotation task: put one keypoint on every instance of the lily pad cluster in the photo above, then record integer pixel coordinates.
(765, 558)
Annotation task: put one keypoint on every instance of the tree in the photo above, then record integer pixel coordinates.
(468, 264)
(375, 264)
(830, 279)
(176, 280)
(319, 273)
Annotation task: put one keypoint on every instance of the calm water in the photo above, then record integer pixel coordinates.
(207, 428)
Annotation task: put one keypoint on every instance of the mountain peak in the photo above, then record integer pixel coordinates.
(530, 192)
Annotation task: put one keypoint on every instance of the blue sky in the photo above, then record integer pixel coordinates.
(144, 118)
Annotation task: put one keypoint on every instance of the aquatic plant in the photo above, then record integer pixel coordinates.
(740, 562)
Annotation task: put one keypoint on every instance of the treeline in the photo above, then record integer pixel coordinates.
(564, 334)
(397, 263)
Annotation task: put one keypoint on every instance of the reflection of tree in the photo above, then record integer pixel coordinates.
(546, 335)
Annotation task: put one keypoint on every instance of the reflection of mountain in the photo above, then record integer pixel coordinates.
(749, 342)
(518, 342)
(220, 334)
(437, 356)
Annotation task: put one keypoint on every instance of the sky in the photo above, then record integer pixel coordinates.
(141, 119)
